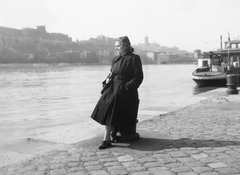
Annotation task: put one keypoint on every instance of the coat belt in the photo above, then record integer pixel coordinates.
(119, 77)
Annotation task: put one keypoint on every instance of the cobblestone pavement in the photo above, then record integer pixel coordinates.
(201, 139)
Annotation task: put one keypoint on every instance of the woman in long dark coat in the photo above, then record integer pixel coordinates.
(118, 104)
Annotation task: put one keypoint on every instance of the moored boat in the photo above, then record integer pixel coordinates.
(209, 74)
(214, 66)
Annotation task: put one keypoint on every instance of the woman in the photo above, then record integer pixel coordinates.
(118, 104)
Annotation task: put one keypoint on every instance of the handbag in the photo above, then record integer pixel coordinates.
(106, 83)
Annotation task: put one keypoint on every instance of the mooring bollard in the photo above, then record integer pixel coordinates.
(128, 133)
(238, 78)
(232, 81)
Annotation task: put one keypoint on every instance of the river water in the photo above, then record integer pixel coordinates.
(39, 99)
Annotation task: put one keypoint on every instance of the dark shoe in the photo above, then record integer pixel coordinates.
(105, 144)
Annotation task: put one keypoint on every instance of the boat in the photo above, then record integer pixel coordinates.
(214, 66)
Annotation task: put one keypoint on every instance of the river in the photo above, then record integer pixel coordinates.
(40, 99)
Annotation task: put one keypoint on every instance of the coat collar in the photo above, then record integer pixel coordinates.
(126, 56)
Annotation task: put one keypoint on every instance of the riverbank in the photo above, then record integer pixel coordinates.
(20, 147)
(54, 104)
(202, 137)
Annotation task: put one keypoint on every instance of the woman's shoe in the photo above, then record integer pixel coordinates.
(105, 144)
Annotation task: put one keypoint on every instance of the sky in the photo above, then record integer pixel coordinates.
(186, 24)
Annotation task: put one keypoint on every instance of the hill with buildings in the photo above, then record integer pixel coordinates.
(28, 45)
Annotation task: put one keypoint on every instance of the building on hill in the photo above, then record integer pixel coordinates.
(10, 32)
(152, 55)
(146, 41)
(38, 33)
(161, 57)
(148, 46)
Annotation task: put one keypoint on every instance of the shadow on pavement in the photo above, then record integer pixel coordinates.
(153, 144)
(156, 144)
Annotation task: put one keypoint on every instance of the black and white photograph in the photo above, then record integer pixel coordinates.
(119, 87)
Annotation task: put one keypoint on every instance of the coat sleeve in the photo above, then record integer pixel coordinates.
(137, 73)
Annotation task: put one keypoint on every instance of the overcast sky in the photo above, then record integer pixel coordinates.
(187, 24)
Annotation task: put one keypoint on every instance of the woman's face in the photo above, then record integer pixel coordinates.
(119, 47)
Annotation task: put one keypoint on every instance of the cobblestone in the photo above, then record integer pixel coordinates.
(202, 169)
(202, 139)
(227, 170)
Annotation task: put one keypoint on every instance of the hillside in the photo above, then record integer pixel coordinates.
(38, 46)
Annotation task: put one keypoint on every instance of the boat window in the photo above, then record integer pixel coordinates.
(234, 46)
(216, 60)
(235, 58)
(205, 63)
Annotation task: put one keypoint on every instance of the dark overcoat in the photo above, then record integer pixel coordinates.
(118, 105)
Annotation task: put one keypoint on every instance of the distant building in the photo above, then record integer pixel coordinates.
(38, 33)
(197, 54)
(152, 55)
(105, 56)
(10, 32)
(164, 57)
(146, 41)
(41, 29)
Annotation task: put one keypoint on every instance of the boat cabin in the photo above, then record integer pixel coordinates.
(232, 44)
(212, 61)
(222, 59)
(231, 53)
